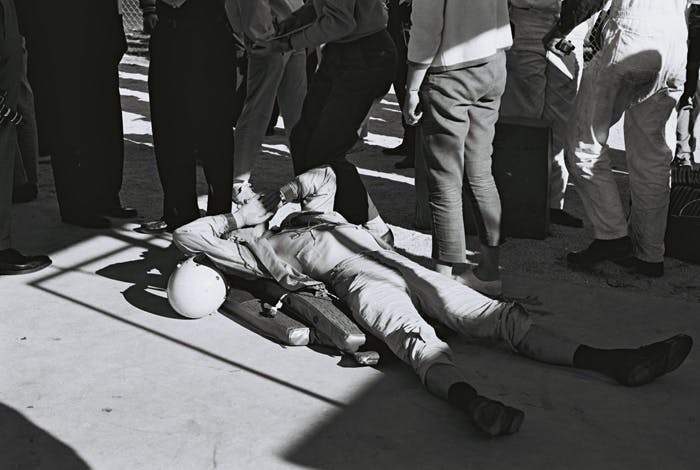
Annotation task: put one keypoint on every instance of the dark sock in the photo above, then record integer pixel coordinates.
(605, 361)
(461, 395)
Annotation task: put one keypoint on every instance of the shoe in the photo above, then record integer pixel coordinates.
(405, 163)
(24, 193)
(153, 227)
(120, 212)
(242, 192)
(601, 250)
(401, 149)
(13, 262)
(491, 288)
(494, 418)
(561, 217)
(656, 359)
(87, 220)
(645, 268)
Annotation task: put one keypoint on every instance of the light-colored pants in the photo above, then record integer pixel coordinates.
(280, 77)
(640, 72)
(537, 89)
(385, 290)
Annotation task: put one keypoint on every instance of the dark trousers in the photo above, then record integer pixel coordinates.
(192, 86)
(348, 80)
(10, 73)
(397, 26)
(79, 103)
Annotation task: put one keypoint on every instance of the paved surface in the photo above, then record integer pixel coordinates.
(97, 371)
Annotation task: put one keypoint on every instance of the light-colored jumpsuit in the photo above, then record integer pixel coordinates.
(536, 89)
(639, 71)
(384, 290)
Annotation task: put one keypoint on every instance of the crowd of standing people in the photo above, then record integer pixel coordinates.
(456, 68)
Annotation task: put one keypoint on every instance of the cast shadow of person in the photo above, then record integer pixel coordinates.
(149, 277)
(25, 445)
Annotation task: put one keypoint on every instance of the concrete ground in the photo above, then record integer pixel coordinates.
(96, 370)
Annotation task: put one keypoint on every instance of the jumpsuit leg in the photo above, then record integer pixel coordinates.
(600, 103)
(649, 155)
(381, 303)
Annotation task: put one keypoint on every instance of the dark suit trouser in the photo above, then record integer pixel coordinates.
(395, 26)
(348, 80)
(10, 72)
(192, 85)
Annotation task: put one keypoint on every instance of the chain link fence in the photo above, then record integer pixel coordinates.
(133, 21)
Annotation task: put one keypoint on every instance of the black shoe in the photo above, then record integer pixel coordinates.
(24, 193)
(561, 217)
(13, 262)
(645, 268)
(601, 250)
(87, 220)
(120, 212)
(405, 163)
(654, 360)
(153, 227)
(401, 149)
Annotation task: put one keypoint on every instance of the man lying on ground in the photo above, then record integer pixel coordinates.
(316, 247)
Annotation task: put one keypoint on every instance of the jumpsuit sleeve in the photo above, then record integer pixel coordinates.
(314, 189)
(335, 21)
(205, 235)
(427, 24)
(256, 19)
(575, 12)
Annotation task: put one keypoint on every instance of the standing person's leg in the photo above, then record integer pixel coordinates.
(688, 103)
(292, 90)
(213, 75)
(480, 186)
(106, 158)
(602, 98)
(263, 79)
(351, 76)
(168, 75)
(28, 139)
(560, 94)
(8, 145)
(460, 109)
(648, 126)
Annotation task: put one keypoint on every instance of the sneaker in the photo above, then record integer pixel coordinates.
(601, 250)
(242, 192)
(491, 288)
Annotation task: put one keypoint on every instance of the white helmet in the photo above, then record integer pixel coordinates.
(195, 289)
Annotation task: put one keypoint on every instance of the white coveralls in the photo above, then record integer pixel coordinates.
(536, 89)
(639, 71)
(384, 289)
